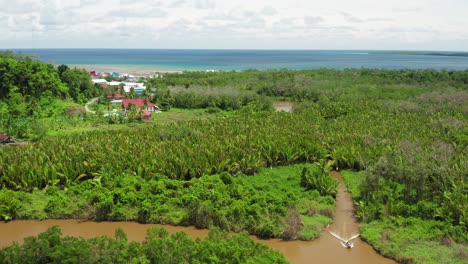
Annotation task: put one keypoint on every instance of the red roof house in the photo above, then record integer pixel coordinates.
(139, 103)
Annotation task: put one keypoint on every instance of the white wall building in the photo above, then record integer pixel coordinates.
(100, 81)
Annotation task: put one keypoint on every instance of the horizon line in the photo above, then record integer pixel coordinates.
(233, 49)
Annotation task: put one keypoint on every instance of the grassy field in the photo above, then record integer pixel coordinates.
(93, 123)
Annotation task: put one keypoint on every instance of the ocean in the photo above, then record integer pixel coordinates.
(227, 60)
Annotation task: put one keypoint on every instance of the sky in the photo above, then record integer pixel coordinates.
(236, 24)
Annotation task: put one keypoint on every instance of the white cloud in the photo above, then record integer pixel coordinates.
(51, 13)
(407, 9)
(138, 12)
(204, 4)
(269, 11)
(351, 19)
(22, 23)
(312, 20)
(359, 24)
(177, 3)
(18, 6)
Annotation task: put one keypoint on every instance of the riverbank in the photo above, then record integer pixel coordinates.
(410, 239)
(325, 249)
(262, 205)
(159, 246)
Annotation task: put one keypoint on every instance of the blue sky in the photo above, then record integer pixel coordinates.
(239, 24)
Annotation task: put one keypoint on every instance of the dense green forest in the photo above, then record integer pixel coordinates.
(158, 247)
(32, 92)
(403, 132)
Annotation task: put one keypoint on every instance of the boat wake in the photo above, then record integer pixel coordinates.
(345, 242)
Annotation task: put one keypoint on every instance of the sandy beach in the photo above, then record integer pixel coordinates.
(134, 70)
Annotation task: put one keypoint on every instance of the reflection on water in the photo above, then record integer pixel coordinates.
(325, 249)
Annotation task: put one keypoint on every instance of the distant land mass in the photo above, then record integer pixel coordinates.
(423, 53)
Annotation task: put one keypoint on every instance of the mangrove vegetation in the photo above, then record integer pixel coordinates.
(401, 136)
(158, 247)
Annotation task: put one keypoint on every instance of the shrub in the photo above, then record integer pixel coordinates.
(315, 178)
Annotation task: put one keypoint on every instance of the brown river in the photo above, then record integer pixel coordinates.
(325, 249)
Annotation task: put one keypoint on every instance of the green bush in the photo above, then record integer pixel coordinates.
(313, 177)
(158, 247)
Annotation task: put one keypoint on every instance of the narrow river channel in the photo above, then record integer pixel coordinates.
(325, 249)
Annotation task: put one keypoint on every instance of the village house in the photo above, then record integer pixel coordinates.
(115, 83)
(138, 88)
(143, 104)
(101, 82)
(139, 103)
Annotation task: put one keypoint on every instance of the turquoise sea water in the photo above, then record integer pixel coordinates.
(246, 59)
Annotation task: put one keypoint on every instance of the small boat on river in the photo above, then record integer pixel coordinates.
(345, 242)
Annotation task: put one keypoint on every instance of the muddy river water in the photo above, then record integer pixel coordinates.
(325, 249)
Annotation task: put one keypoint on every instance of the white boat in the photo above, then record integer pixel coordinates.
(345, 242)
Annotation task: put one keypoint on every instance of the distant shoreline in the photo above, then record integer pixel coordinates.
(134, 70)
(421, 53)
